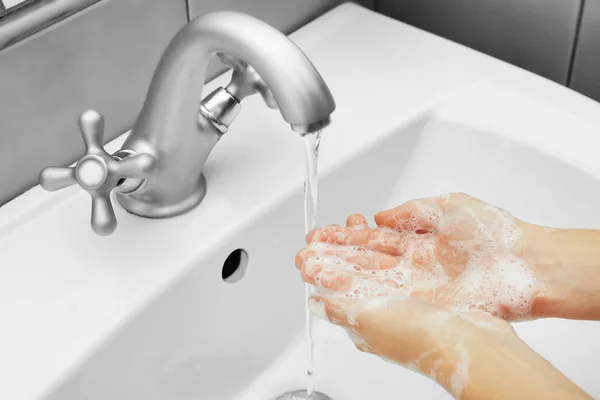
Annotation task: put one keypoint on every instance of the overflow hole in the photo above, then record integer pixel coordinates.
(234, 267)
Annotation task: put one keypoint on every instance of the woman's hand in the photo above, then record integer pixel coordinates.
(472, 354)
(455, 251)
(422, 289)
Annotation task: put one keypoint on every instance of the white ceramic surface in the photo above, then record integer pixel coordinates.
(144, 314)
(463, 144)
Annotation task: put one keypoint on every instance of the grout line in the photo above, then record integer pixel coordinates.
(575, 43)
(187, 9)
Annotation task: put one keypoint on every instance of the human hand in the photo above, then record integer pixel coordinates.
(463, 256)
(453, 250)
(471, 354)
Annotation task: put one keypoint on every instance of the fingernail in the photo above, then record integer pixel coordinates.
(380, 217)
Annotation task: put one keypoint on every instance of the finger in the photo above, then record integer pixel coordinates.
(335, 280)
(311, 272)
(302, 255)
(377, 239)
(353, 259)
(325, 273)
(356, 220)
(366, 260)
(310, 236)
(420, 216)
(351, 283)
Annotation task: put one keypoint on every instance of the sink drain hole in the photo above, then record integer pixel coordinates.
(234, 267)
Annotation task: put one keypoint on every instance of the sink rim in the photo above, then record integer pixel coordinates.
(37, 207)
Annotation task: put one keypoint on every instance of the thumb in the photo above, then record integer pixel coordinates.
(420, 216)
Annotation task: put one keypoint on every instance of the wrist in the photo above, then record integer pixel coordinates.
(566, 264)
(456, 343)
(502, 366)
(543, 259)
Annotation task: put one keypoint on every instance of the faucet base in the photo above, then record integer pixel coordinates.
(149, 207)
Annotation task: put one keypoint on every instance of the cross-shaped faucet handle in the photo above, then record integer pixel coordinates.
(98, 172)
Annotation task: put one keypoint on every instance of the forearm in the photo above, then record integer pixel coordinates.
(500, 366)
(499, 373)
(567, 266)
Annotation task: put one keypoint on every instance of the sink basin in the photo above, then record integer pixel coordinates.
(463, 144)
(145, 313)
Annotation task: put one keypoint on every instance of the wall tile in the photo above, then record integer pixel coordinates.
(102, 58)
(285, 15)
(534, 34)
(586, 67)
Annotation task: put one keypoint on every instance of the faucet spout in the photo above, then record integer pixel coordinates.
(169, 126)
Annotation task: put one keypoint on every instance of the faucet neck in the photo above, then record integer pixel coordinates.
(176, 89)
(170, 127)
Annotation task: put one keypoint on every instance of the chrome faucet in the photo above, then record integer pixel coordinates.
(158, 171)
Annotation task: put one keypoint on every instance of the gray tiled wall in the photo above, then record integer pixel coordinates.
(537, 35)
(102, 58)
(585, 76)
(285, 15)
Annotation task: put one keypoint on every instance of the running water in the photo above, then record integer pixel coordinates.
(311, 141)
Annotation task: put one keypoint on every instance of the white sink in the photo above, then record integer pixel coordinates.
(145, 314)
(464, 144)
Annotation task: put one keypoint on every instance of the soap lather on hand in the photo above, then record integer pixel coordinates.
(432, 288)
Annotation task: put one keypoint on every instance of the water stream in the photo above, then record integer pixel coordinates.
(311, 141)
